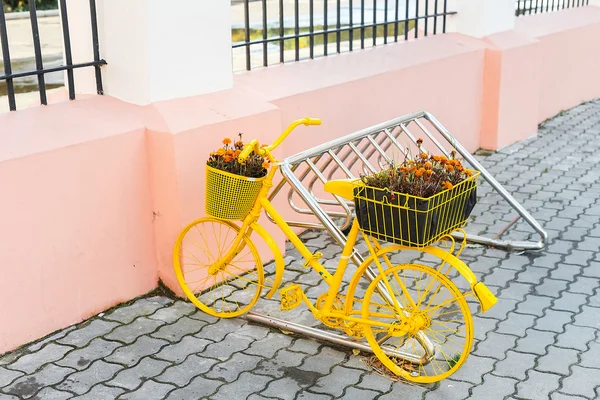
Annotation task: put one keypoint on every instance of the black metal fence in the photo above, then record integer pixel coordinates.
(526, 7)
(40, 70)
(276, 31)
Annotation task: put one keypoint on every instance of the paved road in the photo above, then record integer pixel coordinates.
(541, 341)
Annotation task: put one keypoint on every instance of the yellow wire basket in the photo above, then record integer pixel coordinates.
(230, 196)
(414, 221)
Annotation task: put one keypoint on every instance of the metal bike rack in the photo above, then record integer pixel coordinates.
(364, 152)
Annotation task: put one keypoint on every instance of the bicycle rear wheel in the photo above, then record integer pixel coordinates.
(431, 329)
(219, 287)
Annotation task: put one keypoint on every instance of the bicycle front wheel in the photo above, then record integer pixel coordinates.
(430, 328)
(219, 287)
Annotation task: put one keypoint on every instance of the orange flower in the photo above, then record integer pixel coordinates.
(220, 152)
(449, 168)
(447, 185)
(419, 142)
(239, 143)
(468, 173)
(429, 172)
(420, 172)
(229, 152)
(236, 153)
(428, 165)
(424, 156)
(403, 170)
(226, 141)
(227, 158)
(266, 165)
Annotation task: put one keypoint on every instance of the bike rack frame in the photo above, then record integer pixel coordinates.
(370, 150)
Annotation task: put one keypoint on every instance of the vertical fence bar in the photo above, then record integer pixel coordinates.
(338, 25)
(406, 20)
(264, 33)
(374, 22)
(435, 5)
(426, 15)
(96, 46)
(67, 43)
(547, 5)
(37, 48)
(297, 28)
(416, 19)
(247, 23)
(325, 27)
(444, 18)
(396, 21)
(6, 56)
(536, 6)
(281, 32)
(351, 31)
(311, 28)
(553, 5)
(362, 24)
(385, 21)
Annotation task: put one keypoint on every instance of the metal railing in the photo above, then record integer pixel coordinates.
(526, 7)
(9, 76)
(277, 31)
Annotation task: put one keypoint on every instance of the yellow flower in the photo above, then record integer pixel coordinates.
(220, 152)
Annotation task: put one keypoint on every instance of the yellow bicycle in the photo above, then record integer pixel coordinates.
(415, 319)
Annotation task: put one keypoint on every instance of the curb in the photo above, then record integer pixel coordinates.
(25, 14)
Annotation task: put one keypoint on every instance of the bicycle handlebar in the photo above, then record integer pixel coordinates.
(262, 151)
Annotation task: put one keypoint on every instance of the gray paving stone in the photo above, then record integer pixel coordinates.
(101, 392)
(182, 374)
(538, 385)
(173, 312)
(516, 324)
(579, 257)
(569, 302)
(148, 390)
(558, 360)
(32, 362)
(217, 332)
(306, 395)
(473, 369)
(591, 357)
(578, 383)
(534, 305)
(28, 385)
(130, 332)
(81, 382)
(8, 397)
(532, 275)
(494, 387)
(131, 378)
(353, 393)
(268, 346)
(82, 336)
(495, 346)
(550, 287)
(566, 272)
(322, 362)
(336, 382)
(180, 351)
(141, 307)
(284, 362)
(81, 358)
(593, 270)
(375, 382)
(499, 277)
(516, 291)
(449, 390)
(253, 331)
(243, 387)
(229, 370)
(553, 321)
(228, 346)
(131, 354)
(576, 337)
(588, 317)
(535, 342)
(176, 331)
(584, 285)
(547, 260)
(284, 388)
(48, 393)
(515, 365)
(51, 338)
(561, 396)
(305, 346)
(7, 376)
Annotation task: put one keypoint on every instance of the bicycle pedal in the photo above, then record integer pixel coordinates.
(291, 297)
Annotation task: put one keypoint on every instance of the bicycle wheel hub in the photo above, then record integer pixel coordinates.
(412, 323)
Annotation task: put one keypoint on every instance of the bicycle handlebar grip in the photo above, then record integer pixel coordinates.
(246, 152)
(313, 121)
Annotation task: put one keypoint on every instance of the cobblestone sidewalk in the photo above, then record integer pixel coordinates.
(541, 341)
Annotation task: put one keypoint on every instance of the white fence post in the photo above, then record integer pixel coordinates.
(481, 18)
(155, 50)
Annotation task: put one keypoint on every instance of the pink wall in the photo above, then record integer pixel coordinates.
(96, 191)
